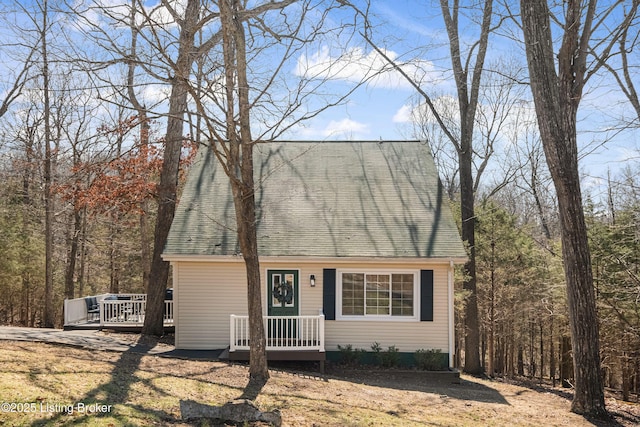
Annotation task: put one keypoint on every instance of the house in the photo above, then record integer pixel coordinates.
(356, 242)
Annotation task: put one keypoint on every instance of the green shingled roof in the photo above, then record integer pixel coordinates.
(323, 199)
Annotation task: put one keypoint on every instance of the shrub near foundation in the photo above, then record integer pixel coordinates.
(430, 360)
(348, 356)
(387, 359)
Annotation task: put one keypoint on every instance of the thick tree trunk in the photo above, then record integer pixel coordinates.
(241, 163)
(168, 188)
(467, 200)
(467, 103)
(589, 393)
(247, 235)
(556, 98)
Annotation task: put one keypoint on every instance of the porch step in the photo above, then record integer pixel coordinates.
(280, 355)
(292, 355)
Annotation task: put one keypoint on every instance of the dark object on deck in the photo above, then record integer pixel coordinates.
(237, 411)
(168, 296)
(93, 309)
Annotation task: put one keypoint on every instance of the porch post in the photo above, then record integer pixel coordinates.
(321, 331)
(232, 333)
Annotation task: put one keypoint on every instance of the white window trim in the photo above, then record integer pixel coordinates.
(379, 318)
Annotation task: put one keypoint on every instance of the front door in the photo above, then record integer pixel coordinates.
(282, 300)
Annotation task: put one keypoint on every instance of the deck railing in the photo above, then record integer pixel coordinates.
(115, 310)
(284, 333)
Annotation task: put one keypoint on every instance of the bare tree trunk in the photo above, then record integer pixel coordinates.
(241, 149)
(520, 360)
(168, 188)
(552, 355)
(566, 371)
(141, 111)
(49, 314)
(556, 98)
(83, 253)
(467, 103)
(145, 246)
(114, 268)
(25, 306)
(492, 309)
(541, 351)
(72, 254)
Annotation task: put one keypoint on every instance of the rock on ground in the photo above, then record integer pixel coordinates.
(241, 410)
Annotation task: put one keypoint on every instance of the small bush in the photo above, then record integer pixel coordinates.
(348, 356)
(391, 357)
(429, 360)
(387, 359)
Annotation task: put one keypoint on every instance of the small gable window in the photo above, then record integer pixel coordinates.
(377, 295)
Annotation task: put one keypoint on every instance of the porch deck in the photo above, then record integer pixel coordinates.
(122, 312)
(296, 338)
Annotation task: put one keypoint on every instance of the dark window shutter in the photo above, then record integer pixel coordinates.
(329, 293)
(426, 295)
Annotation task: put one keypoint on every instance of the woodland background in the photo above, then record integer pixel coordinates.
(80, 162)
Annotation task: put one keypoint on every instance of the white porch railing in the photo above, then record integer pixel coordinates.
(115, 310)
(284, 333)
(130, 312)
(75, 310)
(121, 312)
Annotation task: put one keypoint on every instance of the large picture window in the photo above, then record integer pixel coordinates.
(372, 294)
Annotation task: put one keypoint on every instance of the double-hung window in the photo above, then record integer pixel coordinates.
(378, 295)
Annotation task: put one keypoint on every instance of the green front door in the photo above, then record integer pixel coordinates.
(282, 300)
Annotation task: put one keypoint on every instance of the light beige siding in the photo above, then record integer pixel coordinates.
(207, 293)
(406, 336)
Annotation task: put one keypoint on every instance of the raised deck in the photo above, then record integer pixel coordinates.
(122, 312)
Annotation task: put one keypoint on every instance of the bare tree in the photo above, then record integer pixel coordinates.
(168, 187)
(625, 71)
(249, 93)
(43, 30)
(12, 88)
(557, 96)
(468, 76)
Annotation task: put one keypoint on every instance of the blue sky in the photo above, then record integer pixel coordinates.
(411, 31)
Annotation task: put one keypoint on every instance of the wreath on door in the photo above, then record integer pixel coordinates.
(283, 293)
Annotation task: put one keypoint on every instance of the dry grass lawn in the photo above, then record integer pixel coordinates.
(146, 390)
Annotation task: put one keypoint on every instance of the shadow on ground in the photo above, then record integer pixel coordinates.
(429, 382)
(114, 394)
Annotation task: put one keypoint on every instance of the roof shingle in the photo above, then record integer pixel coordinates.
(323, 199)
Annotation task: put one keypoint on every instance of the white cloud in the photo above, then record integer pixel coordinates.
(335, 129)
(156, 93)
(404, 114)
(345, 128)
(355, 65)
(408, 113)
